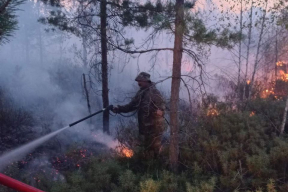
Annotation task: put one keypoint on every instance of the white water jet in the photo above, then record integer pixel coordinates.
(20, 152)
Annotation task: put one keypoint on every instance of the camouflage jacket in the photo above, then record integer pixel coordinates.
(147, 101)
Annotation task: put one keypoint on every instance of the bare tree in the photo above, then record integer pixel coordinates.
(248, 48)
(256, 62)
(104, 64)
(240, 48)
(86, 93)
(284, 118)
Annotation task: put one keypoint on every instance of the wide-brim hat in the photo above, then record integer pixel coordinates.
(143, 76)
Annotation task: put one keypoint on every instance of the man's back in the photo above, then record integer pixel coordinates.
(150, 101)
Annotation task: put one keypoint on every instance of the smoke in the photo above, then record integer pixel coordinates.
(97, 136)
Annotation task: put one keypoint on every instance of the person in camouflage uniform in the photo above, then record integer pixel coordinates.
(151, 106)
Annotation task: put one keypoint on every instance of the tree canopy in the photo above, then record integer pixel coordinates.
(8, 18)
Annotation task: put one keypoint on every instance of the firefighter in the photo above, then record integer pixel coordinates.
(151, 106)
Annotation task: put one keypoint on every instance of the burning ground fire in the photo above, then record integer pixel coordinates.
(121, 149)
(212, 112)
(283, 75)
(282, 70)
(52, 167)
(127, 152)
(252, 114)
(276, 87)
(280, 63)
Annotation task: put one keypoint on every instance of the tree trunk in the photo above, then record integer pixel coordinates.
(284, 118)
(248, 51)
(86, 94)
(240, 53)
(276, 54)
(105, 90)
(175, 85)
(27, 46)
(40, 36)
(84, 38)
(258, 50)
(85, 55)
(61, 49)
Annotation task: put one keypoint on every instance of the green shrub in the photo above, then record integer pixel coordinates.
(149, 186)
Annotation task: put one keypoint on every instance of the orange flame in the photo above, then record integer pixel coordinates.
(127, 152)
(252, 114)
(248, 82)
(279, 63)
(284, 76)
(212, 112)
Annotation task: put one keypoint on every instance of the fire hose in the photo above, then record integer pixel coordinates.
(110, 107)
(22, 187)
(17, 185)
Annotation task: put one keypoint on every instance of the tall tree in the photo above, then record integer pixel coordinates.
(240, 48)
(175, 85)
(256, 62)
(249, 44)
(40, 38)
(104, 64)
(282, 21)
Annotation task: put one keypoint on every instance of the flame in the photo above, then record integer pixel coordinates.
(212, 112)
(266, 93)
(279, 63)
(248, 82)
(283, 75)
(127, 152)
(252, 114)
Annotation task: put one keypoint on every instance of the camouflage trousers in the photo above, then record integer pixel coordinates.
(151, 144)
(151, 140)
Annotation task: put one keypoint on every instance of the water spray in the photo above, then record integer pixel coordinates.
(19, 152)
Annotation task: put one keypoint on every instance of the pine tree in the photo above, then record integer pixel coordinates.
(8, 20)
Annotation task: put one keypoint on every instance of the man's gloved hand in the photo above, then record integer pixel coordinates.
(116, 109)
